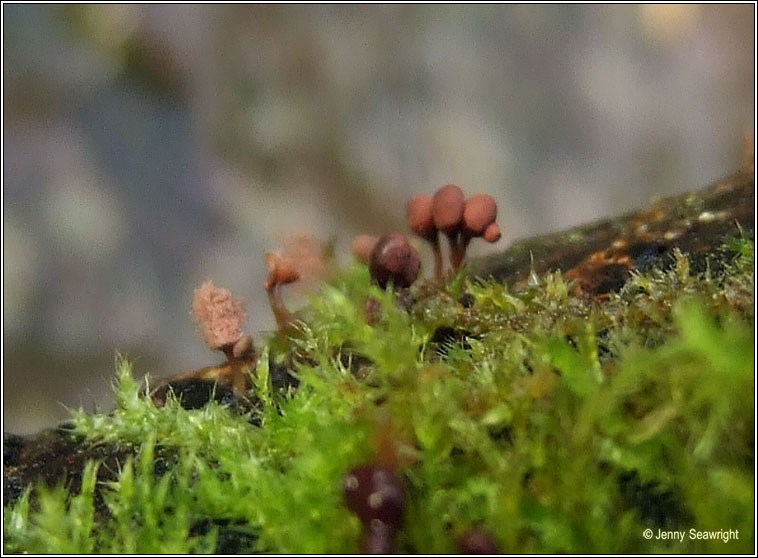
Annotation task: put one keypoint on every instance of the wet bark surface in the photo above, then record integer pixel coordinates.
(600, 256)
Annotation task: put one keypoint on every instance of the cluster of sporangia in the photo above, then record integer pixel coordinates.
(392, 259)
(373, 492)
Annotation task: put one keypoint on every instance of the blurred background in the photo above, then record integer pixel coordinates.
(148, 148)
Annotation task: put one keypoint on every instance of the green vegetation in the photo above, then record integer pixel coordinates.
(555, 423)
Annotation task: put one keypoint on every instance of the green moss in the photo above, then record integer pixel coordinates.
(556, 423)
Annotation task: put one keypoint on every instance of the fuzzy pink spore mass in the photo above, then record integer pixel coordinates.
(219, 316)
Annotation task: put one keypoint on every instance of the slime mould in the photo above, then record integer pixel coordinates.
(599, 257)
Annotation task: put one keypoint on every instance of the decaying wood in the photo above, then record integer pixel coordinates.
(599, 257)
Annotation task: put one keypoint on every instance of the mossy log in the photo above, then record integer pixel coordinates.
(598, 258)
